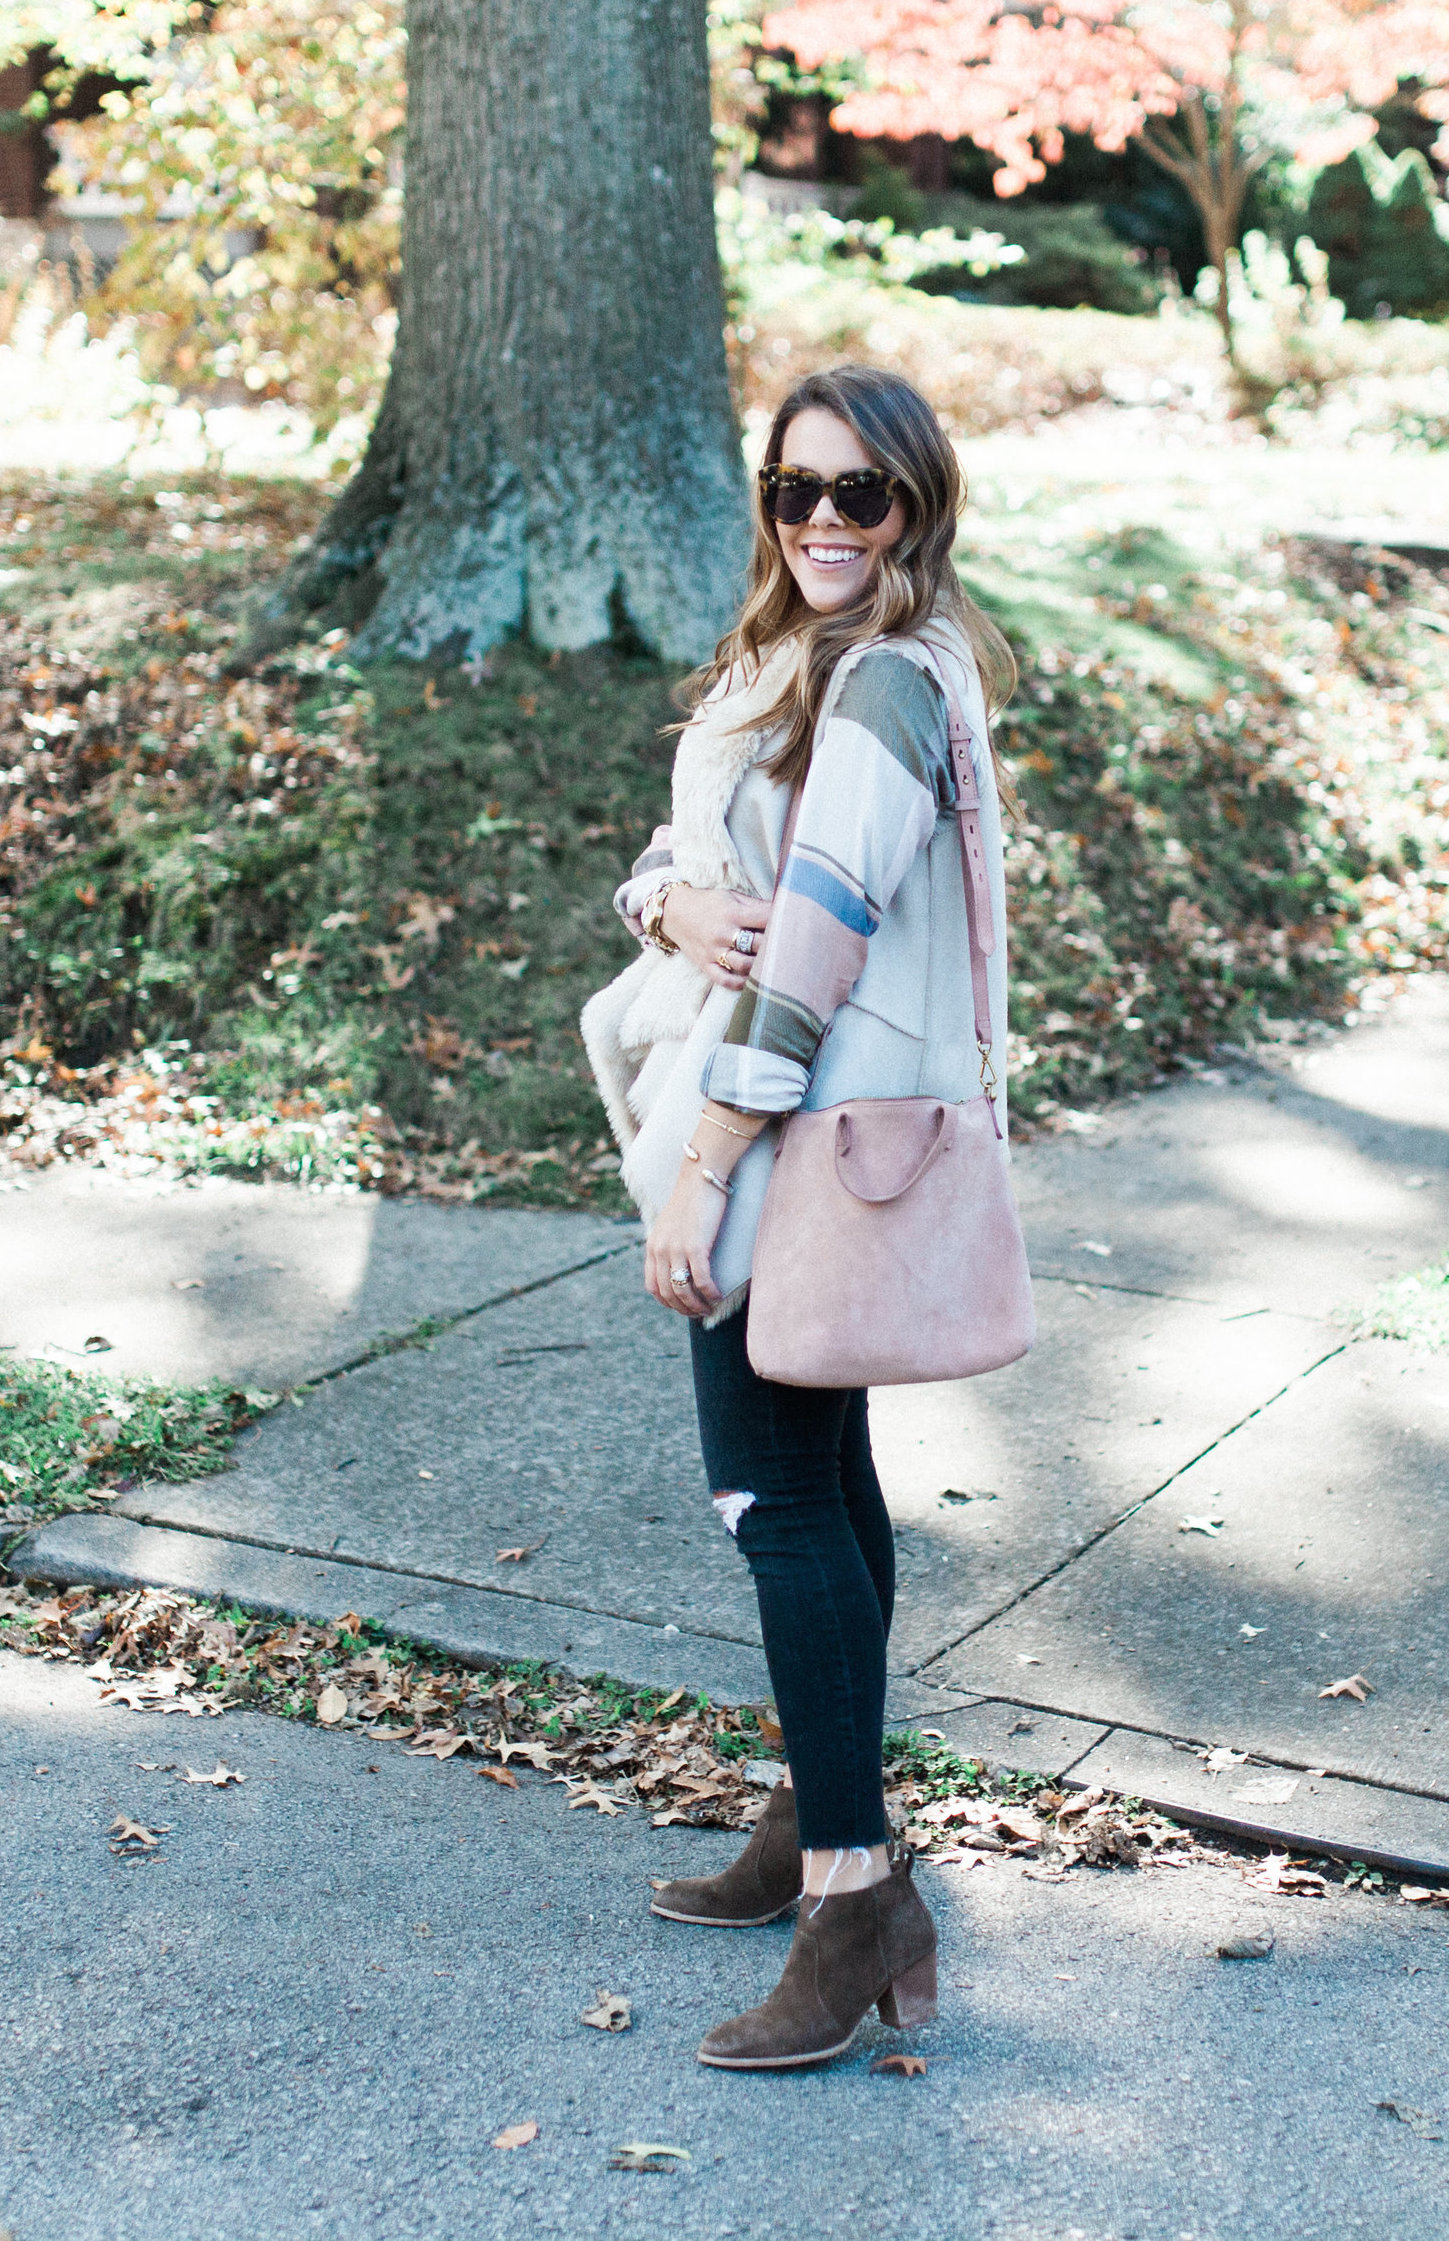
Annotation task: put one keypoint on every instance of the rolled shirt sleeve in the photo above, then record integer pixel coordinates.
(878, 778)
(654, 866)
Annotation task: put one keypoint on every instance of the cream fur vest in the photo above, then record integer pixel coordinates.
(635, 1029)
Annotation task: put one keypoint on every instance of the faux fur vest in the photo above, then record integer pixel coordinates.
(635, 1028)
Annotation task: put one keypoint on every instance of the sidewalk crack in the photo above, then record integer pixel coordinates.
(1094, 1540)
(429, 1327)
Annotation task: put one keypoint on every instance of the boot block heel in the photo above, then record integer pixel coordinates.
(911, 1998)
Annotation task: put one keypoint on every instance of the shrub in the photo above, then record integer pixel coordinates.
(1071, 257)
(1385, 231)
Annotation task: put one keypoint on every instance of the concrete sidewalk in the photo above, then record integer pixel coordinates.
(1191, 1253)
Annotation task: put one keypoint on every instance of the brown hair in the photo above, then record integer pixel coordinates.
(911, 583)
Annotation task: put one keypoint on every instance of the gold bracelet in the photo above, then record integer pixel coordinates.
(743, 1133)
(651, 917)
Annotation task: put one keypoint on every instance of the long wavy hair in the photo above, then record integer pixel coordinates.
(912, 584)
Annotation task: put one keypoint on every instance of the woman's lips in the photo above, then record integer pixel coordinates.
(832, 556)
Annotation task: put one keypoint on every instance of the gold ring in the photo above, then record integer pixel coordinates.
(726, 962)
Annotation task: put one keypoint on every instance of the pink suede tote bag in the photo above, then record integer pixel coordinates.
(889, 1249)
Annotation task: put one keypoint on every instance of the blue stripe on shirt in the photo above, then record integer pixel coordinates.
(804, 876)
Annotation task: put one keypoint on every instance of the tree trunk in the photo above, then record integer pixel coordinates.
(556, 452)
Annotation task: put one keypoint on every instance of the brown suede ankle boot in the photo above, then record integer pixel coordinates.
(760, 1884)
(859, 1950)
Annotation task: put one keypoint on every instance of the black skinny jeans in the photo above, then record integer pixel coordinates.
(817, 1537)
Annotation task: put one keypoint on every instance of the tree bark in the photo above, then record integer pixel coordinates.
(556, 453)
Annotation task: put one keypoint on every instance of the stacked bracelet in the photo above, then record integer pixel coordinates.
(708, 1172)
(651, 917)
(743, 1133)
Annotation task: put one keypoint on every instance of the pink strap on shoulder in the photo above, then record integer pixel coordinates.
(980, 924)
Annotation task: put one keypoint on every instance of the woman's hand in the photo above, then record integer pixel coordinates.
(680, 1244)
(705, 922)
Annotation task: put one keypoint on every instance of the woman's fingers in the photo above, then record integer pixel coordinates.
(704, 1286)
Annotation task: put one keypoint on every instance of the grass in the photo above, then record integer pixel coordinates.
(68, 1435)
(1415, 1308)
(339, 926)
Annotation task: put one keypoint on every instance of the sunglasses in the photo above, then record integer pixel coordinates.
(864, 496)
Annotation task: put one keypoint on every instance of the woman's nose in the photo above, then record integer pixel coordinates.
(825, 516)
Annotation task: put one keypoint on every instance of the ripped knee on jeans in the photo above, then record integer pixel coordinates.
(731, 1508)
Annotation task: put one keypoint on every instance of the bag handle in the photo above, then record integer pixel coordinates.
(886, 1198)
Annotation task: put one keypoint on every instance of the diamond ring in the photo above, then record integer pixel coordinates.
(678, 1276)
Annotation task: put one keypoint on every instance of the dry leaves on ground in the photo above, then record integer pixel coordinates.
(1419, 2121)
(517, 2135)
(678, 1758)
(130, 1840)
(219, 1778)
(1416, 1894)
(1254, 1947)
(899, 2065)
(1055, 1832)
(609, 2012)
(648, 2155)
(1355, 1686)
(613, 1748)
(1281, 1873)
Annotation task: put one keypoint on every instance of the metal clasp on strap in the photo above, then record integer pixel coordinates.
(989, 1083)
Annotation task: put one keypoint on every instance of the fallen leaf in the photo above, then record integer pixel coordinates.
(440, 1746)
(609, 2012)
(518, 1555)
(1414, 1894)
(1024, 1657)
(1252, 1947)
(517, 2135)
(1420, 2122)
(1270, 1790)
(129, 1835)
(648, 2155)
(1079, 1805)
(1212, 1526)
(95, 1344)
(1251, 1633)
(499, 1774)
(668, 1821)
(1280, 1873)
(590, 1794)
(331, 1705)
(187, 1284)
(668, 1703)
(1218, 1761)
(537, 1754)
(903, 2065)
(1355, 1686)
(218, 1778)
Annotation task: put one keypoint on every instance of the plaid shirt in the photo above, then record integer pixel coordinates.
(879, 778)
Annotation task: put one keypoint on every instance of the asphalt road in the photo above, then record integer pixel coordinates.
(314, 2007)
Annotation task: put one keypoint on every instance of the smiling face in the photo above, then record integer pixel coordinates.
(830, 559)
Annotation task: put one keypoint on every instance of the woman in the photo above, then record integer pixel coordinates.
(831, 694)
